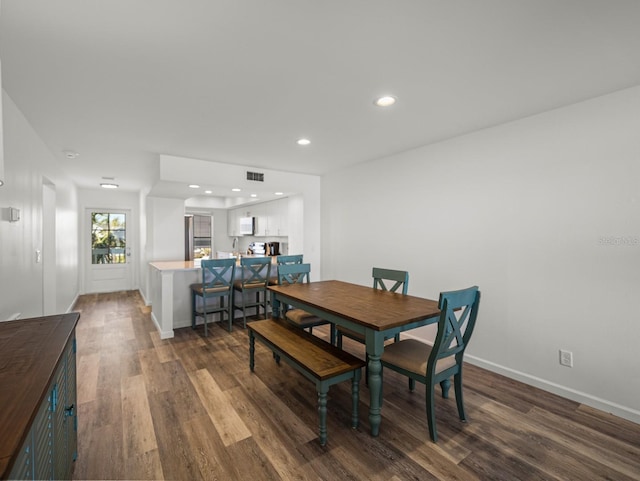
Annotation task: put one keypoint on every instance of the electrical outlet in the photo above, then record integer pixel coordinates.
(566, 358)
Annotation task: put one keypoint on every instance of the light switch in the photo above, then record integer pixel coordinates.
(14, 214)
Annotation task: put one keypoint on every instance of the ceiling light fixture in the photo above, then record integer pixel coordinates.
(254, 195)
(208, 192)
(303, 141)
(279, 193)
(194, 186)
(235, 189)
(70, 154)
(385, 101)
(108, 185)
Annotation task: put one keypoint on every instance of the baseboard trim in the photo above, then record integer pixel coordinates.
(163, 334)
(623, 412)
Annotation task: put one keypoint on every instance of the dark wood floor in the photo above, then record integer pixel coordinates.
(188, 408)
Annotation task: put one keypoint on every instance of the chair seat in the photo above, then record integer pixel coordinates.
(197, 288)
(303, 318)
(412, 355)
(248, 285)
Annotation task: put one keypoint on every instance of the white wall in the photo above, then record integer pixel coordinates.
(28, 166)
(543, 214)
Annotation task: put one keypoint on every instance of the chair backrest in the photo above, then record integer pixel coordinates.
(400, 279)
(458, 313)
(255, 270)
(217, 273)
(293, 273)
(290, 259)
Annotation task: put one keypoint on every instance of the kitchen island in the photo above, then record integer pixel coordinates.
(170, 293)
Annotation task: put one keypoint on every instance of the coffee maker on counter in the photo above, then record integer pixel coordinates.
(272, 248)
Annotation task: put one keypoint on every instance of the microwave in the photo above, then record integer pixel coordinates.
(247, 225)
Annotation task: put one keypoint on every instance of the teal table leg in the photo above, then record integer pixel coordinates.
(375, 347)
(375, 386)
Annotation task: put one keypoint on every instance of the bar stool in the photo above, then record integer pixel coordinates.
(217, 283)
(254, 279)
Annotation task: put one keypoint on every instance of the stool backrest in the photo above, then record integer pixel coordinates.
(217, 273)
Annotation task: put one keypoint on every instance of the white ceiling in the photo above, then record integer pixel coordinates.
(238, 81)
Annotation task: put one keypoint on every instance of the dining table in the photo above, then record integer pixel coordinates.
(375, 313)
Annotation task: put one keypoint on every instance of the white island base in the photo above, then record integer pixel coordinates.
(171, 295)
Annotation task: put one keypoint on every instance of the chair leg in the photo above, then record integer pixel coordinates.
(355, 396)
(431, 411)
(339, 339)
(193, 310)
(230, 312)
(332, 334)
(412, 384)
(204, 315)
(457, 383)
(445, 385)
(322, 411)
(252, 350)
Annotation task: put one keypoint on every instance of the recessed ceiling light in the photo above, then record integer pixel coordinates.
(208, 192)
(279, 193)
(303, 141)
(235, 189)
(385, 101)
(107, 185)
(70, 154)
(254, 195)
(194, 186)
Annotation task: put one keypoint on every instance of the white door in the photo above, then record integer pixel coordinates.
(109, 260)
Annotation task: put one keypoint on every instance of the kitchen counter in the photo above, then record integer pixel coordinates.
(170, 294)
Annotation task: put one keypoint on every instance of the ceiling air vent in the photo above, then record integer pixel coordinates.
(255, 176)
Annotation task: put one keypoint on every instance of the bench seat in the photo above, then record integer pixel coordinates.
(317, 360)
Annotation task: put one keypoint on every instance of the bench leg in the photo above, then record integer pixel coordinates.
(322, 412)
(355, 396)
(252, 350)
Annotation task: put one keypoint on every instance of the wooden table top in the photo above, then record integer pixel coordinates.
(372, 308)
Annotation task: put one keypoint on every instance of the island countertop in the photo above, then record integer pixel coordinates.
(192, 265)
(175, 265)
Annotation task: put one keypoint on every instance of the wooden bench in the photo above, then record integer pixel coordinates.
(316, 359)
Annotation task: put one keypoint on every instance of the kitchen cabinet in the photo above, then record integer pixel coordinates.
(38, 410)
(272, 218)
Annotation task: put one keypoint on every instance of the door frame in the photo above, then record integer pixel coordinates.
(86, 263)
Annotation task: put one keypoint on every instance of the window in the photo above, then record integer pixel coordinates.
(108, 238)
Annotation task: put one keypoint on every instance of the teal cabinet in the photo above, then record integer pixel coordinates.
(47, 445)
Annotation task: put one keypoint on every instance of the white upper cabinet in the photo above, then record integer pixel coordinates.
(271, 218)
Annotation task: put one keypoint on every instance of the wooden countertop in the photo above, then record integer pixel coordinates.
(30, 350)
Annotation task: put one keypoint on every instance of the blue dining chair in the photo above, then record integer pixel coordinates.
(436, 364)
(253, 280)
(297, 274)
(217, 283)
(386, 280)
(282, 260)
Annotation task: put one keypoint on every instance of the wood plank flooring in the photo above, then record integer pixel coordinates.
(188, 408)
